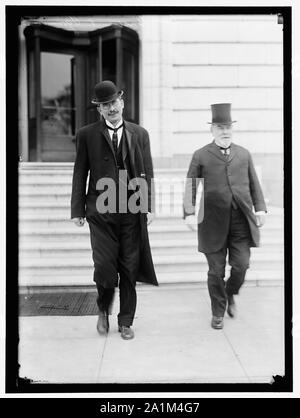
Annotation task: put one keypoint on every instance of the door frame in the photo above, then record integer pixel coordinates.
(44, 38)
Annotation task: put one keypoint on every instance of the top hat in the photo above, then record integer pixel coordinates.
(105, 92)
(221, 113)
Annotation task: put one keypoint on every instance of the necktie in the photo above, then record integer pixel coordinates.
(115, 140)
(115, 137)
(226, 150)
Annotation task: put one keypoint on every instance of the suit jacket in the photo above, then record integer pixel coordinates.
(95, 157)
(224, 178)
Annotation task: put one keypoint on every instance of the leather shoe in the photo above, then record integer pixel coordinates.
(102, 324)
(231, 307)
(217, 322)
(126, 332)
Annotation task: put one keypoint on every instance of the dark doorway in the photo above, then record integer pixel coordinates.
(63, 68)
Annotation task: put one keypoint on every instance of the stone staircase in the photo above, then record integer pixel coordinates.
(54, 252)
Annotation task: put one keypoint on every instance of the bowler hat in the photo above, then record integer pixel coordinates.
(221, 113)
(106, 91)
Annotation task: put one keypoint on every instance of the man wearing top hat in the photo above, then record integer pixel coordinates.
(232, 209)
(119, 238)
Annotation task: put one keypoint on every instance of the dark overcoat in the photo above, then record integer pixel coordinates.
(224, 178)
(95, 157)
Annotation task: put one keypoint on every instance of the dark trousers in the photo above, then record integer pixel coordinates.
(238, 249)
(125, 239)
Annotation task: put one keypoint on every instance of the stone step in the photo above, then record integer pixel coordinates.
(170, 248)
(50, 220)
(170, 224)
(167, 204)
(51, 206)
(160, 232)
(63, 185)
(50, 190)
(33, 205)
(177, 262)
(54, 252)
(51, 216)
(44, 209)
(40, 166)
(59, 218)
(45, 178)
(66, 169)
(80, 277)
(160, 224)
(81, 245)
(163, 223)
(52, 213)
(54, 201)
(59, 180)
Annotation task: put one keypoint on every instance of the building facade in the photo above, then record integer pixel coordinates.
(171, 69)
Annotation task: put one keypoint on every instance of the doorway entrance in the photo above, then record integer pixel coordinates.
(63, 68)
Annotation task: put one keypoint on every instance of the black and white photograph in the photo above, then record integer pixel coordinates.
(153, 198)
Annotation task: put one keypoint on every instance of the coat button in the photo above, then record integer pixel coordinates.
(106, 158)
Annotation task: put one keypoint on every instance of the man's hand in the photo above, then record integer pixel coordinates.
(150, 217)
(191, 222)
(78, 221)
(260, 218)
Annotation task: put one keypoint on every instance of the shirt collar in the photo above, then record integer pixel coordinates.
(220, 146)
(111, 125)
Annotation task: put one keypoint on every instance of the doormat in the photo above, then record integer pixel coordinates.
(60, 304)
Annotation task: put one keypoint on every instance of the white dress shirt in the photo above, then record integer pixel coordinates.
(119, 131)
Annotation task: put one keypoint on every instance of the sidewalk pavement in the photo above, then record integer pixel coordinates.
(174, 342)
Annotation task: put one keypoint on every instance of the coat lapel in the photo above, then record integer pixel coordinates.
(131, 143)
(213, 149)
(126, 146)
(233, 152)
(127, 149)
(105, 133)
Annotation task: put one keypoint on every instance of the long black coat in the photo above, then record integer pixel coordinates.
(223, 179)
(95, 156)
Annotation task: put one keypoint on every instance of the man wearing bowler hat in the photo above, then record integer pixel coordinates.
(231, 211)
(119, 237)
